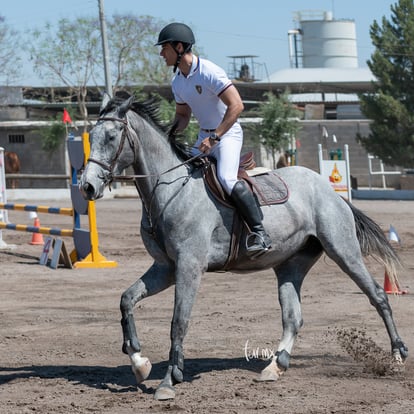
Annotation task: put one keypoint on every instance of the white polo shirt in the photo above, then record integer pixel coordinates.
(201, 89)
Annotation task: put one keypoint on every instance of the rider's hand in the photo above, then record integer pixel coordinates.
(207, 144)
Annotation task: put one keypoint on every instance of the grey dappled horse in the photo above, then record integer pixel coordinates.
(187, 232)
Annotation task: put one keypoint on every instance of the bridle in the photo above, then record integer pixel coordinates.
(109, 167)
(125, 134)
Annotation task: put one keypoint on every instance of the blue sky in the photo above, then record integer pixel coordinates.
(222, 28)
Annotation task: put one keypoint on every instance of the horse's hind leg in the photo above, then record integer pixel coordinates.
(354, 266)
(290, 276)
(157, 278)
(349, 259)
(345, 242)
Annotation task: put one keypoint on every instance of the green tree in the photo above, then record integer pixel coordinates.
(68, 54)
(53, 135)
(391, 105)
(279, 123)
(10, 61)
(134, 58)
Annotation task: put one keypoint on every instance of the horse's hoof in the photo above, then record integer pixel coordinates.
(267, 376)
(271, 373)
(398, 358)
(164, 392)
(141, 367)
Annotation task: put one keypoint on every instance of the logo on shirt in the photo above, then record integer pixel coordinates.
(199, 89)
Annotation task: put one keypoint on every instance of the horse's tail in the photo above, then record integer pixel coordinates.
(374, 243)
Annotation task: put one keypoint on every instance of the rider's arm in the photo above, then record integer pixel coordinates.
(182, 117)
(234, 103)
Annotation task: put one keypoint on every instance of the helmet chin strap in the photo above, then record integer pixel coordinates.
(177, 62)
(179, 57)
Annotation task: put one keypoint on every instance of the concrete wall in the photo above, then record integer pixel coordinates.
(33, 159)
(345, 131)
(36, 161)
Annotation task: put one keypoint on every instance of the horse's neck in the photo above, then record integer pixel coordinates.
(156, 163)
(155, 155)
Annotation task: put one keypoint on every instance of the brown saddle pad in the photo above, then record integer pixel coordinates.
(269, 187)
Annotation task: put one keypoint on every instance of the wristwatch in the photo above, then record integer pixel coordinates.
(215, 137)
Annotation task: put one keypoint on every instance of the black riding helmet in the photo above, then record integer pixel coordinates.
(174, 33)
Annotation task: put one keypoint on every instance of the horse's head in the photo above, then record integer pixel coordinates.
(112, 148)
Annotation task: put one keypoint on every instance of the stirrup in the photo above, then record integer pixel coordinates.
(258, 246)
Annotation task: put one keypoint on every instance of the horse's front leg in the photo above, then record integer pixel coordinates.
(188, 279)
(157, 278)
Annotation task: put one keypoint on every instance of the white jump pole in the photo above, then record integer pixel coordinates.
(3, 197)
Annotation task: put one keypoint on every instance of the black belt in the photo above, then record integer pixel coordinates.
(208, 130)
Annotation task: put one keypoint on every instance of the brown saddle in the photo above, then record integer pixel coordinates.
(268, 187)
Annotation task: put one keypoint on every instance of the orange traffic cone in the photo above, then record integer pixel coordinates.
(37, 238)
(392, 288)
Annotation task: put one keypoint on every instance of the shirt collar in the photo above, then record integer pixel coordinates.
(194, 66)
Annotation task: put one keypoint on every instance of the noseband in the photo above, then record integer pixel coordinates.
(125, 134)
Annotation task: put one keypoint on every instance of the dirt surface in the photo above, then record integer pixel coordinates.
(60, 336)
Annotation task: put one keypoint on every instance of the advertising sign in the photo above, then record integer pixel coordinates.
(336, 172)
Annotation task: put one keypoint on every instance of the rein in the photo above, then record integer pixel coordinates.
(111, 177)
(125, 134)
(133, 176)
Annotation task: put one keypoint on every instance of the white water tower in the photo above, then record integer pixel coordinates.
(323, 41)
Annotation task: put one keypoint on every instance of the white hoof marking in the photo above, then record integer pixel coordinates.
(141, 366)
(271, 373)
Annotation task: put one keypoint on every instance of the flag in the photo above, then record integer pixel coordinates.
(393, 235)
(66, 117)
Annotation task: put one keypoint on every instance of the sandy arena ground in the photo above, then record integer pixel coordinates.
(60, 336)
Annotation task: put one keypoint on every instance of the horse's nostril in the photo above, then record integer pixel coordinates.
(87, 190)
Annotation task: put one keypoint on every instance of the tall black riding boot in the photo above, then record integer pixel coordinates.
(257, 241)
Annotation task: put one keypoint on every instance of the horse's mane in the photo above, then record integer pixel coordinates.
(149, 109)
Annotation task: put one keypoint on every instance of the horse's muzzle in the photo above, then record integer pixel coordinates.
(88, 191)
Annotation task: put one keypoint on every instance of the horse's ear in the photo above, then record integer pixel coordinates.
(123, 109)
(105, 100)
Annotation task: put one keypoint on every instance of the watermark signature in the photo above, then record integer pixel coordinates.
(257, 352)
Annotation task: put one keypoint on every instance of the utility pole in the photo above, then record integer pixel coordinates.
(108, 81)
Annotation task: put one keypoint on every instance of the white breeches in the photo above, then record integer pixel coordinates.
(227, 153)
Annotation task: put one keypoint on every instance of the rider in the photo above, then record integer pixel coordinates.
(202, 88)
